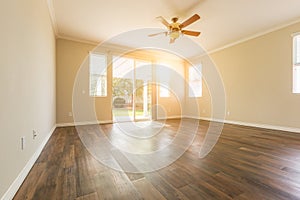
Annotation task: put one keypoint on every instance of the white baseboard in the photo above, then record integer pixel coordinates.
(14, 187)
(191, 117)
(170, 117)
(266, 126)
(84, 123)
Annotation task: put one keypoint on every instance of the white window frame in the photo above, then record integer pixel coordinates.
(296, 63)
(195, 92)
(92, 91)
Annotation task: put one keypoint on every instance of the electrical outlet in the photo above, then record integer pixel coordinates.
(34, 134)
(228, 112)
(70, 114)
(23, 142)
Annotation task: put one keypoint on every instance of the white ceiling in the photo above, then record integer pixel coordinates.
(222, 21)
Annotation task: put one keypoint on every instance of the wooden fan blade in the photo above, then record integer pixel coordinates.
(163, 21)
(151, 35)
(190, 20)
(191, 33)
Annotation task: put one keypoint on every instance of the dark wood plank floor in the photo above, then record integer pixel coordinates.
(246, 163)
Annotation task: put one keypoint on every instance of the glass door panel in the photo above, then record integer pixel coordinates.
(123, 89)
(143, 90)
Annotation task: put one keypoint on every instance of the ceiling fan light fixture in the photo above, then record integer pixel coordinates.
(175, 29)
(174, 34)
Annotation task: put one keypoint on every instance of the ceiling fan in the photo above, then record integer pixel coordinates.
(175, 28)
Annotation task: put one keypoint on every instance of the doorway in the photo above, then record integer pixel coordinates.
(131, 89)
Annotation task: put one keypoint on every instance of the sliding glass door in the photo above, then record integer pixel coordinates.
(122, 89)
(132, 89)
(143, 90)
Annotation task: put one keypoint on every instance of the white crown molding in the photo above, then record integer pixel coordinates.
(14, 187)
(122, 50)
(52, 16)
(276, 28)
(58, 36)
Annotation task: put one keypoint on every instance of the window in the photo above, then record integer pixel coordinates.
(163, 91)
(195, 81)
(98, 75)
(296, 64)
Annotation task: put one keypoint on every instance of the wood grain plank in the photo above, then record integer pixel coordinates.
(246, 163)
(147, 190)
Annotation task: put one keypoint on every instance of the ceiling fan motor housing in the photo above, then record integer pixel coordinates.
(175, 28)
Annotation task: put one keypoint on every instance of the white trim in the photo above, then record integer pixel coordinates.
(64, 125)
(55, 27)
(191, 117)
(266, 126)
(14, 187)
(295, 37)
(52, 16)
(295, 34)
(77, 40)
(84, 123)
(170, 117)
(254, 36)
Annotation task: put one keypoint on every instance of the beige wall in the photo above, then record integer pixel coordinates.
(257, 76)
(27, 83)
(72, 70)
(172, 106)
(69, 57)
(72, 66)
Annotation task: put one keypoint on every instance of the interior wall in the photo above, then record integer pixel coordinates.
(70, 59)
(257, 76)
(27, 83)
(171, 106)
(195, 107)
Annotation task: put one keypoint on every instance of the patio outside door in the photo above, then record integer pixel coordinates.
(132, 90)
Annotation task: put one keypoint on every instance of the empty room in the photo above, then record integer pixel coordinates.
(162, 99)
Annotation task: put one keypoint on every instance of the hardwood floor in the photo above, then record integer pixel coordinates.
(246, 163)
